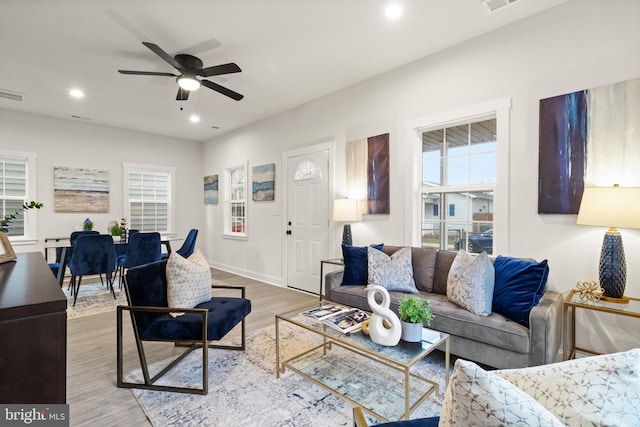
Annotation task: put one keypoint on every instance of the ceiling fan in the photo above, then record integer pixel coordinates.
(190, 67)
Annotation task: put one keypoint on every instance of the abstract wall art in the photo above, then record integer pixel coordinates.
(587, 138)
(80, 190)
(368, 173)
(211, 190)
(264, 180)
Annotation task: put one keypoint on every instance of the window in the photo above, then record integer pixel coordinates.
(459, 171)
(17, 172)
(149, 193)
(236, 201)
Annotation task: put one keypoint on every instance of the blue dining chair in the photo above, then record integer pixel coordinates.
(56, 266)
(188, 246)
(92, 254)
(142, 248)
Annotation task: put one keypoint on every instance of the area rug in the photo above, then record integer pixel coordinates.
(93, 298)
(243, 390)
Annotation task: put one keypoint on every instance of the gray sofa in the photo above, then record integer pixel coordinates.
(493, 340)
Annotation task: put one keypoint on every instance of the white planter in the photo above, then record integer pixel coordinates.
(411, 332)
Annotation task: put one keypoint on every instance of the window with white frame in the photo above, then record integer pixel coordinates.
(17, 173)
(149, 205)
(458, 178)
(236, 201)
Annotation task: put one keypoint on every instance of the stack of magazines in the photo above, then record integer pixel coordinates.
(343, 319)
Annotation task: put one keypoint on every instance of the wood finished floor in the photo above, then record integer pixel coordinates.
(92, 395)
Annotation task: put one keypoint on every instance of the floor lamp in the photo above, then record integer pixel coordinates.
(611, 207)
(346, 210)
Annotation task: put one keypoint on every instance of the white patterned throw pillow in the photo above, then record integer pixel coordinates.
(590, 391)
(188, 280)
(470, 282)
(394, 273)
(476, 397)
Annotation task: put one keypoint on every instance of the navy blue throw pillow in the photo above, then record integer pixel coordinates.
(519, 287)
(356, 264)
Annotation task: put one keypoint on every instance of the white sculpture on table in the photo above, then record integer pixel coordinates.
(384, 326)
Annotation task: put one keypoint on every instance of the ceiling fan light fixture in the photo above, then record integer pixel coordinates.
(189, 83)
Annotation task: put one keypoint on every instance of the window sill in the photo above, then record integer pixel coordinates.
(235, 236)
(22, 241)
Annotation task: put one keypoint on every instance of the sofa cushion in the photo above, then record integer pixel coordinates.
(470, 282)
(519, 287)
(423, 261)
(444, 260)
(495, 330)
(394, 273)
(356, 264)
(188, 280)
(597, 390)
(480, 398)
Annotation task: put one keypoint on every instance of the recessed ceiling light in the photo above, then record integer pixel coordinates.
(393, 11)
(194, 118)
(76, 93)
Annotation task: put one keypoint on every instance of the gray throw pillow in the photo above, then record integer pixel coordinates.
(470, 282)
(394, 273)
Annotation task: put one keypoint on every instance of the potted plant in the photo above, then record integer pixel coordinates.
(414, 313)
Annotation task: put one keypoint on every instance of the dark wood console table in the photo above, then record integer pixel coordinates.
(33, 333)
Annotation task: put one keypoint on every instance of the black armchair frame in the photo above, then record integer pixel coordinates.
(149, 382)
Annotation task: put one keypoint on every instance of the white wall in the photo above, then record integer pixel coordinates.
(578, 45)
(63, 142)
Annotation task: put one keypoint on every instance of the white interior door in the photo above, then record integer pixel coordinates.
(307, 218)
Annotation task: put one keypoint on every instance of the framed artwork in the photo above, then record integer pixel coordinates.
(80, 190)
(587, 138)
(211, 190)
(6, 250)
(368, 172)
(264, 181)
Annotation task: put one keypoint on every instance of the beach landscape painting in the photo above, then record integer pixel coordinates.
(264, 179)
(80, 190)
(211, 190)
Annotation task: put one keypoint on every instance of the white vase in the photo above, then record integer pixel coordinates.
(411, 332)
(389, 334)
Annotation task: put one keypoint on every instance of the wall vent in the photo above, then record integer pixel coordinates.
(493, 5)
(13, 96)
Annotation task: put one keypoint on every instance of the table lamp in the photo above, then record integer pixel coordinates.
(346, 210)
(611, 207)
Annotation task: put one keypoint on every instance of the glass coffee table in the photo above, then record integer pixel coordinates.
(380, 379)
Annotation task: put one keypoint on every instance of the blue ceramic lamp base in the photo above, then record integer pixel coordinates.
(346, 235)
(613, 266)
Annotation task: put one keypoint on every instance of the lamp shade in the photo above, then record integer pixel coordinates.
(610, 207)
(345, 210)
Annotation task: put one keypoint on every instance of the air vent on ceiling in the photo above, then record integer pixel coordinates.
(493, 5)
(13, 96)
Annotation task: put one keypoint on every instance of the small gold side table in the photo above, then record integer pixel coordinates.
(574, 302)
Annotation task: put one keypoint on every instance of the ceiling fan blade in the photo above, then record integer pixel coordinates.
(146, 73)
(221, 89)
(182, 95)
(219, 69)
(164, 55)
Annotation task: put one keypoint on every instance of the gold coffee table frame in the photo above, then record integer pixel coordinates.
(400, 358)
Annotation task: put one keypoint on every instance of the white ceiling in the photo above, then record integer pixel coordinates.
(290, 52)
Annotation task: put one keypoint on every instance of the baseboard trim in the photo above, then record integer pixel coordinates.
(271, 280)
